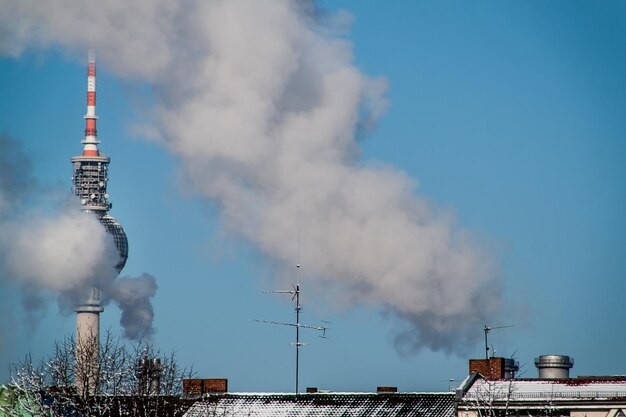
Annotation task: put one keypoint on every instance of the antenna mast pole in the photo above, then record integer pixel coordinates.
(487, 330)
(295, 292)
(297, 331)
(298, 314)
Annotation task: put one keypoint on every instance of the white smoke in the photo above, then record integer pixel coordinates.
(262, 102)
(133, 296)
(63, 253)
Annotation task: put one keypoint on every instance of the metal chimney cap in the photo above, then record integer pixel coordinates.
(554, 361)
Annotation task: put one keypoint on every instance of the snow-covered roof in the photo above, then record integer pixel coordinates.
(326, 405)
(545, 389)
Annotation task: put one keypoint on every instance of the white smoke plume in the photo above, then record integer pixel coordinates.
(52, 252)
(262, 102)
(133, 296)
(47, 254)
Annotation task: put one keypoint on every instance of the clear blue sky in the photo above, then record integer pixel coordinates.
(508, 113)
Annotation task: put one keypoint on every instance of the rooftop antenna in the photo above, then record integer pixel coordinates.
(450, 382)
(295, 292)
(487, 330)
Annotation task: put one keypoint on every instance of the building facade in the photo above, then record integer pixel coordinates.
(553, 393)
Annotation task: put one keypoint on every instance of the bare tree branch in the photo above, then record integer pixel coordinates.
(96, 379)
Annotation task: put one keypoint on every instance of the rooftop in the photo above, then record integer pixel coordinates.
(326, 405)
(584, 388)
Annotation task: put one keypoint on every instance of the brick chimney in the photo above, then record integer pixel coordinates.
(204, 386)
(492, 368)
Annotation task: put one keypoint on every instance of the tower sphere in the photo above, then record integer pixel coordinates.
(115, 229)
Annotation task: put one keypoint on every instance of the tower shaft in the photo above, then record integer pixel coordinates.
(88, 344)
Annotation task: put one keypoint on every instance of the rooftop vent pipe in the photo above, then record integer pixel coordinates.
(511, 366)
(554, 366)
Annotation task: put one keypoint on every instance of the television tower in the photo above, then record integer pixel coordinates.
(90, 185)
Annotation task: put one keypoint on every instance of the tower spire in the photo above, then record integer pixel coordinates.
(91, 142)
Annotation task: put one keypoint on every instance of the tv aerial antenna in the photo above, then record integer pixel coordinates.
(487, 329)
(295, 296)
(450, 382)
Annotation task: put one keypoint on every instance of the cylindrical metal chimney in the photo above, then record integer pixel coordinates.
(156, 370)
(554, 366)
(511, 366)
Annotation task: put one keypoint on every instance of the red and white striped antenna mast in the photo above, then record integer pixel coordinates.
(91, 142)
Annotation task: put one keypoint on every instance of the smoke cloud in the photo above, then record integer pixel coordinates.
(43, 254)
(52, 254)
(262, 102)
(133, 295)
